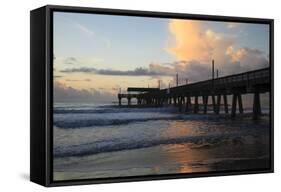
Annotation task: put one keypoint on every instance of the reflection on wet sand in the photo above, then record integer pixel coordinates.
(182, 156)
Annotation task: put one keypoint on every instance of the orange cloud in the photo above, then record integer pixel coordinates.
(189, 40)
(235, 55)
(192, 42)
(195, 47)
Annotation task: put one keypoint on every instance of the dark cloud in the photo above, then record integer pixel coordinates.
(77, 70)
(247, 60)
(63, 93)
(136, 72)
(234, 62)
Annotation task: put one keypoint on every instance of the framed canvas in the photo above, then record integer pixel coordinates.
(120, 95)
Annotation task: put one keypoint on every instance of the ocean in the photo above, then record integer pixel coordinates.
(103, 140)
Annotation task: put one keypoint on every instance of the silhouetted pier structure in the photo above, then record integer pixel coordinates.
(251, 82)
(138, 96)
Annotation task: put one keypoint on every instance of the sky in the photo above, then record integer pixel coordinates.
(97, 55)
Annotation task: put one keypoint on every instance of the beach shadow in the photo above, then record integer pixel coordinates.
(24, 176)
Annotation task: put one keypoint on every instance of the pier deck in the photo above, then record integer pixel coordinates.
(251, 82)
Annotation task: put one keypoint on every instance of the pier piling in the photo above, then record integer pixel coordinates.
(256, 106)
(233, 108)
(218, 104)
(225, 104)
(196, 105)
(214, 103)
(205, 103)
(240, 103)
(251, 82)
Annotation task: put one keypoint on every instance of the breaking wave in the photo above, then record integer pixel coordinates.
(119, 144)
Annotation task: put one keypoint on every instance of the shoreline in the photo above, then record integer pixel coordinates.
(162, 159)
(188, 144)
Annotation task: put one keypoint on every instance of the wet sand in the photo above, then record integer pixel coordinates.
(167, 159)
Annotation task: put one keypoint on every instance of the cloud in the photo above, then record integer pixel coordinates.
(236, 61)
(191, 42)
(136, 72)
(191, 70)
(78, 80)
(63, 93)
(70, 60)
(84, 29)
(87, 79)
(196, 47)
(231, 25)
(90, 33)
(249, 59)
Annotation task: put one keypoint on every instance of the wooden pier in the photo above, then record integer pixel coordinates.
(251, 82)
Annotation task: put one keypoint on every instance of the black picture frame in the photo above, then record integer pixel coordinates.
(41, 100)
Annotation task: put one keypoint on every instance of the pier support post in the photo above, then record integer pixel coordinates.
(183, 100)
(240, 103)
(119, 99)
(129, 101)
(175, 101)
(180, 103)
(189, 100)
(178, 99)
(233, 108)
(196, 106)
(256, 106)
(162, 101)
(158, 101)
(205, 103)
(218, 104)
(187, 104)
(214, 103)
(225, 104)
